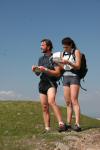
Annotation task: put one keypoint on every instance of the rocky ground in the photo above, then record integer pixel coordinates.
(85, 140)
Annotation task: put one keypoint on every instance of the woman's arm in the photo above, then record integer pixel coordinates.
(77, 63)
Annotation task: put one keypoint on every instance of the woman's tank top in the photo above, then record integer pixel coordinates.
(70, 57)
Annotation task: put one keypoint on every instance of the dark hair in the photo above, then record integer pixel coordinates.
(48, 43)
(69, 41)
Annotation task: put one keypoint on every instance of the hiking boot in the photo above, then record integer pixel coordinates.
(77, 128)
(62, 128)
(68, 127)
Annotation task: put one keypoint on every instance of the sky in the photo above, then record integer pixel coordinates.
(24, 23)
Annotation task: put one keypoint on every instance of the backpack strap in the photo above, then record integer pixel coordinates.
(82, 87)
(66, 54)
(71, 53)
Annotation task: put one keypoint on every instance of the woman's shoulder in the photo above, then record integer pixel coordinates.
(77, 51)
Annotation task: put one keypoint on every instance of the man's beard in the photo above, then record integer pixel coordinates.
(44, 51)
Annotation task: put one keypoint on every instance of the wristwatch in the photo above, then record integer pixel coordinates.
(46, 69)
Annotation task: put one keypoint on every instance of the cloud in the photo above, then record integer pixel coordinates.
(10, 95)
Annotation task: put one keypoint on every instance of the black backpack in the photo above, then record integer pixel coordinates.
(81, 72)
(83, 68)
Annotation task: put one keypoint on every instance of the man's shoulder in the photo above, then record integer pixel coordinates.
(41, 57)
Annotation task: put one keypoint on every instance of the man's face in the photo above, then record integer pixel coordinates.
(44, 47)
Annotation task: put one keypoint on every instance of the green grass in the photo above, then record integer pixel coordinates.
(20, 120)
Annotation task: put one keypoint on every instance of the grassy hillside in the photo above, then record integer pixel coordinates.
(23, 121)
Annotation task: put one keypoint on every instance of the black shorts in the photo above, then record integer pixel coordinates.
(45, 85)
(70, 80)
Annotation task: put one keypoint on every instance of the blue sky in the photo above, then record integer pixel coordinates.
(23, 23)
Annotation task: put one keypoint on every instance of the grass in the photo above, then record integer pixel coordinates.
(20, 121)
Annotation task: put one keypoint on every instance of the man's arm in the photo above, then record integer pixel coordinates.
(55, 72)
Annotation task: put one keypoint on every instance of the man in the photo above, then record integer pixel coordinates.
(48, 86)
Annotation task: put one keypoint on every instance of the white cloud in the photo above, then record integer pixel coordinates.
(10, 95)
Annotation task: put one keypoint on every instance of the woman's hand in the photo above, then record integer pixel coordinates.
(65, 62)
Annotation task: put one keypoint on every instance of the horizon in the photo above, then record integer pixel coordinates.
(97, 116)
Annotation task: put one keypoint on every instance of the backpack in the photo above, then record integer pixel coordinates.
(83, 68)
(60, 78)
(81, 72)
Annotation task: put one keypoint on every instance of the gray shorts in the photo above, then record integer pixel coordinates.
(70, 80)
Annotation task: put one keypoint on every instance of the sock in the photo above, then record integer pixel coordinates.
(61, 123)
(77, 124)
(47, 128)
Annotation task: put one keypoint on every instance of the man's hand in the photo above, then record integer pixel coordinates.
(33, 68)
(36, 69)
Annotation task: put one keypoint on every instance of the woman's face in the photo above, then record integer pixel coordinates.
(67, 48)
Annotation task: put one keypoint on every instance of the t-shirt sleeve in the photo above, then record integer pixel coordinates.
(40, 62)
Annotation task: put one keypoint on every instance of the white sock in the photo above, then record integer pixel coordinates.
(61, 123)
(47, 128)
(78, 124)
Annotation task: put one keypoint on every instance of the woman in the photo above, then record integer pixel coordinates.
(71, 81)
